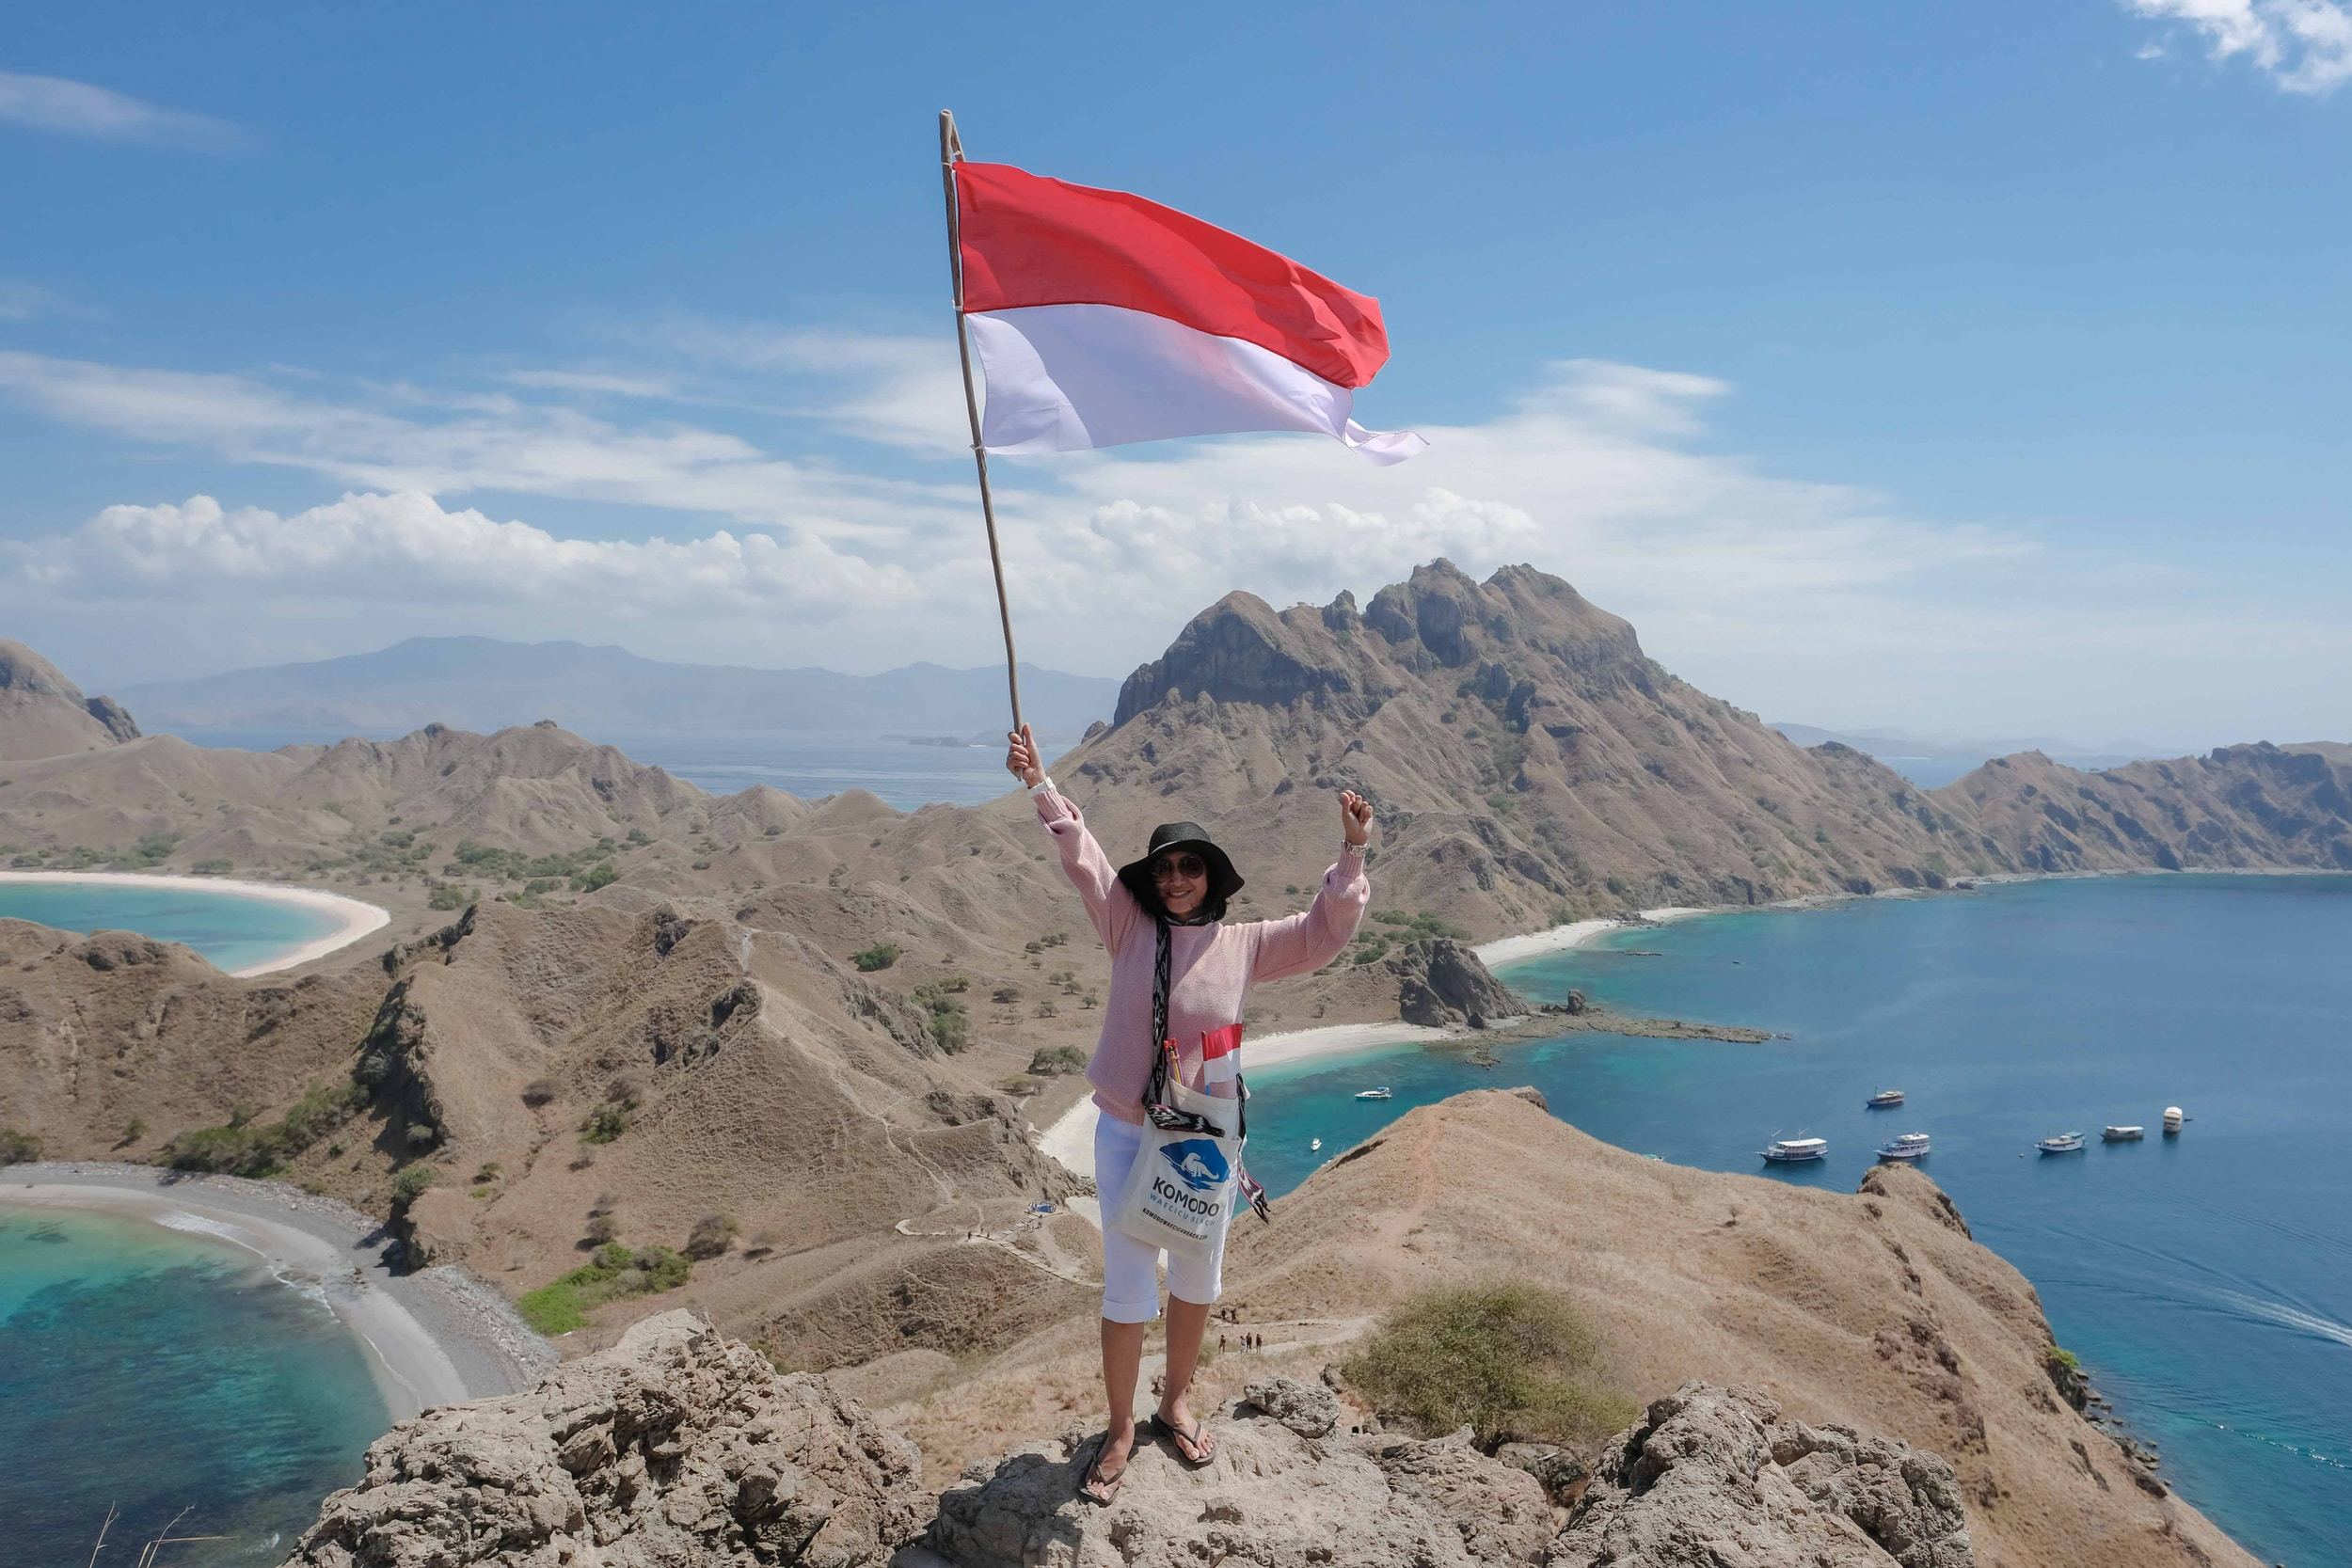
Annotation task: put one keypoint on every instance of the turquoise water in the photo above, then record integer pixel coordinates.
(231, 930)
(2206, 1281)
(157, 1371)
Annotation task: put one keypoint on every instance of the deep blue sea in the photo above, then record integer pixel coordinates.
(231, 930)
(155, 1370)
(2205, 1281)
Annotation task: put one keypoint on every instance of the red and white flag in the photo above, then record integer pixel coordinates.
(1102, 318)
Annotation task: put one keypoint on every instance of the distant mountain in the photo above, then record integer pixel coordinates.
(44, 715)
(483, 683)
(1933, 762)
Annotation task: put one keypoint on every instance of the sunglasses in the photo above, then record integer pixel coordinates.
(1191, 867)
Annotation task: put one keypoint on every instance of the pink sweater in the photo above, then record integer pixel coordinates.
(1211, 968)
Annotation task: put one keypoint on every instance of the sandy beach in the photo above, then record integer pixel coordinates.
(433, 1337)
(1503, 950)
(354, 918)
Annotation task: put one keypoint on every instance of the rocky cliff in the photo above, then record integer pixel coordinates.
(677, 1447)
(42, 714)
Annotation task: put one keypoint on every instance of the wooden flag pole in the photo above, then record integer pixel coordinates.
(950, 154)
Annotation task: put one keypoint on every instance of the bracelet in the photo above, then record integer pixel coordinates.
(1360, 848)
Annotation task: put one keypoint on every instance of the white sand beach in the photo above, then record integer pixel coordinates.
(353, 917)
(1576, 933)
(433, 1337)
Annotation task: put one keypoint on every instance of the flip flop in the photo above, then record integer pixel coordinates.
(1094, 1479)
(1195, 1447)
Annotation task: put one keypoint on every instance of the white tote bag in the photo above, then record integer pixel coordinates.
(1181, 1194)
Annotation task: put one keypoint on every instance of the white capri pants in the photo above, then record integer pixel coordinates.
(1131, 1280)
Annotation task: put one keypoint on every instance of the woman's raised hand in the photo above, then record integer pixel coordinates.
(1355, 817)
(1020, 757)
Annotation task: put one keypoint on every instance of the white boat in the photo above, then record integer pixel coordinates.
(1793, 1151)
(1884, 1099)
(1374, 1094)
(2121, 1134)
(2173, 1116)
(2065, 1143)
(1317, 1144)
(1901, 1151)
(1919, 1138)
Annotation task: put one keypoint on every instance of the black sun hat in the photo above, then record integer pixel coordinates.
(1224, 882)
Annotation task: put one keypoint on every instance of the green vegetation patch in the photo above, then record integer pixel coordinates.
(881, 956)
(247, 1148)
(616, 1273)
(1055, 1060)
(1512, 1361)
(951, 1024)
(18, 1149)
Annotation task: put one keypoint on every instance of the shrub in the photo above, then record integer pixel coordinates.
(2062, 1359)
(712, 1235)
(605, 1123)
(211, 868)
(448, 896)
(1005, 995)
(408, 1186)
(1055, 1060)
(538, 1091)
(18, 1149)
(616, 1273)
(603, 873)
(246, 1147)
(601, 1227)
(881, 956)
(1512, 1361)
(491, 1170)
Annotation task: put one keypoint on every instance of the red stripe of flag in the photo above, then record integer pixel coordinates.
(1030, 241)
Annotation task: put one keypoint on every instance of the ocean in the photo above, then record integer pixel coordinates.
(233, 931)
(155, 1371)
(2205, 1281)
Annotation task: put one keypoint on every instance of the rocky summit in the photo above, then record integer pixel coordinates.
(677, 1447)
(42, 714)
(682, 1448)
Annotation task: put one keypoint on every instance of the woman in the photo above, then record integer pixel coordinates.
(1184, 880)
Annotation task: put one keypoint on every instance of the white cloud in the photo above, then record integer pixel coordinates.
(21, 301)
(2305, 46)
(405, 548)
(1812, 600)
(99, 114)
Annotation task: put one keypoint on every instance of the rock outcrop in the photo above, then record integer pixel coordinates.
(1716, 1477)
(1274, 1497)
(1443, 985)
(44, 715)
(675, 1448)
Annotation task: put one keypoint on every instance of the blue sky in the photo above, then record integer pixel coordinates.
(1975, 368)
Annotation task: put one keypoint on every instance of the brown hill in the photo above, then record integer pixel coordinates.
(43, 714)
(2240, 807)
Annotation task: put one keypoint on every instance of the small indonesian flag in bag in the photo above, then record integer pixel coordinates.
(1220, 1055)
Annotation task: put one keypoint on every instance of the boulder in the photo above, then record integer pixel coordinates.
(1715, 1476)
(1309, 1409)
(1443, 985)
(676, 1447)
